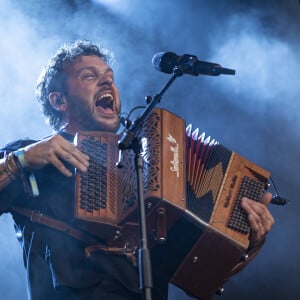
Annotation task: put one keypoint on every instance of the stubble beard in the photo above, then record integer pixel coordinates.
(91, 121)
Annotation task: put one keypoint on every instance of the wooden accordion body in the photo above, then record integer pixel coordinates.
(193, 188)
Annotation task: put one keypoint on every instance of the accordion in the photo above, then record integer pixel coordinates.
(193, 187)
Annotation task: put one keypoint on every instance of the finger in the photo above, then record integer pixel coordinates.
(254, 220)
(76, 153)
(257, 229)
(266, 198)
(257, 225)
(58, 164)
(260, 210)
(76, 158)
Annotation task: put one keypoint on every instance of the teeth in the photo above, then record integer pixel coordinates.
(106, 96)
(105, 101)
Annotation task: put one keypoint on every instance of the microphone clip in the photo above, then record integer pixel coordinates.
(125, 121)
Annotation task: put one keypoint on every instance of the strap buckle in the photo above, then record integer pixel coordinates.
(36, 216)
(129, 253)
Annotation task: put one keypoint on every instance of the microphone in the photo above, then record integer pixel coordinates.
(279, 200)
(168, 62)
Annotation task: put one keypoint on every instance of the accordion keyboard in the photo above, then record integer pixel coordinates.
(252, 189)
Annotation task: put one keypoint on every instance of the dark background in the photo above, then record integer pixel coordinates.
(255, 112)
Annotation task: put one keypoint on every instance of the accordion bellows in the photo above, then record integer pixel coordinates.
(188, 177)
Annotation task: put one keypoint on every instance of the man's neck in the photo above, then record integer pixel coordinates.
(68, 128)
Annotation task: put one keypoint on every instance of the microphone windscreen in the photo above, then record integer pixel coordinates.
(165, 62)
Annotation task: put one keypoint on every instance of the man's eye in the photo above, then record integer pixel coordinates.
(89, 76)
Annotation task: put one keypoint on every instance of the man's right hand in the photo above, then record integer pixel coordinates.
(55, 150)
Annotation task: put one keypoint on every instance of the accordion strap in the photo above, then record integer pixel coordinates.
(38, 217)
(95, 246)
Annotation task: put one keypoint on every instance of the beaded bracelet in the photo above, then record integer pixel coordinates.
(11, 167)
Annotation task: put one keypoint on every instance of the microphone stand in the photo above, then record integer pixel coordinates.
(130, 140)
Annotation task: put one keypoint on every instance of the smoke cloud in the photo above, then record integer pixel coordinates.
(255, 112)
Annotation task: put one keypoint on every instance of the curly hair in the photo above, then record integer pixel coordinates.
(53, 77)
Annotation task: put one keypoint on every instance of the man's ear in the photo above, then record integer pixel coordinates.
(58, 101)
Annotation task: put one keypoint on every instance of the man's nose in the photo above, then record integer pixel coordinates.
(105, 83)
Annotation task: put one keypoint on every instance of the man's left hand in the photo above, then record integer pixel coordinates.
(259, 217)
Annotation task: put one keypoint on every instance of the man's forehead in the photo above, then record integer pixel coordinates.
(88, 62)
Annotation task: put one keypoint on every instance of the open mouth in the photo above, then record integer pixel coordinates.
(105, 103)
